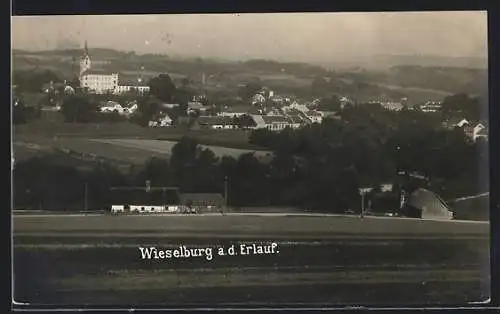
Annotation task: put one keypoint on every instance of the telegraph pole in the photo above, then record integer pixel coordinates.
(225, 192)
(363, 192)
(362, 204)
(86, 195)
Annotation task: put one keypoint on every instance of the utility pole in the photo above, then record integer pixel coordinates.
(363, 192)
(86, 195)
(362, 204)
(225, 192)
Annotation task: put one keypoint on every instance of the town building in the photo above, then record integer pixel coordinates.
(392, 106)
(258, 99)
(101, 82)
(110, 106)
(169, 106)
(476, 131)
(295, 105)
(314, 116)
(195, 107)
(202, 200)
(215, 122)
(277, 99)
(274, 112)
(455, 123)
(278, 122)
(231, 114)
(127, 86)
(295, 121)
(330, 115)
(431, 106)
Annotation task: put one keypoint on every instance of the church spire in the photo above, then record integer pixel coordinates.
(85, 60)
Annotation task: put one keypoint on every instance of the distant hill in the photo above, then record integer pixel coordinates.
(430, 60)
(385, 61)
(95, 53)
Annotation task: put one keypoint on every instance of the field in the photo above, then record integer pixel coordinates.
(95, 259)
(165, 147)
(125, 143)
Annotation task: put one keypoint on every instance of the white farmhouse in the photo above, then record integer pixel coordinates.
(477, 131)
(295, 105)
(112, 106)
(258, 99)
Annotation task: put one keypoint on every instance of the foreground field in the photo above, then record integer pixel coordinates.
(319, 260)
(253, 225)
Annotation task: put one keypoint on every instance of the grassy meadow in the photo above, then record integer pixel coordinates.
(328, 260)
(124, 143)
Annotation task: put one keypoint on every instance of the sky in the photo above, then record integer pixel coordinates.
(304, 37)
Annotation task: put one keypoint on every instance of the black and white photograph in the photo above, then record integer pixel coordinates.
(256, 159)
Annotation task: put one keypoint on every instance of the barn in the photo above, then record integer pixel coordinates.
(425, 204)
(210, 201)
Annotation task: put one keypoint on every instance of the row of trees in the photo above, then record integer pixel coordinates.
(464, 106)
(375, 144)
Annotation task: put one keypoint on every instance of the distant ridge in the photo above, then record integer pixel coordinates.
(384, 61)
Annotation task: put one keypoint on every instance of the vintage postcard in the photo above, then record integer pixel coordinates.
(280, 159)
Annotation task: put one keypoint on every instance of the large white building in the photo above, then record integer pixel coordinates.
(100, 82)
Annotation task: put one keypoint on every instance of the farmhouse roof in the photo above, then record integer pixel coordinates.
(139, 188)
(275, 119)
(484, 123)
(258, 120)
(483, 132)
(215, 120)
(392, 105)
(455, 121)
(202, 198)
(195, 105)
(328, 113)
(293, 111)
(295, 119)
(312, 113)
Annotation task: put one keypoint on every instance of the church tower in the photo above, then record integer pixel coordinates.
(85, 60)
